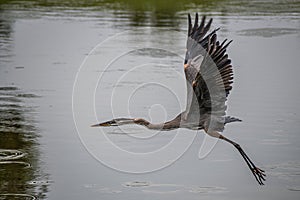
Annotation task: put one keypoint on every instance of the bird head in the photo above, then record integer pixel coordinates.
(116, 122)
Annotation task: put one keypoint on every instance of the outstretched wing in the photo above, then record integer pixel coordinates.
(209, 76)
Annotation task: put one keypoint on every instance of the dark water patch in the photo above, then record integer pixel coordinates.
(40, 182)
(17, 128)
(8, 88)
(11, 154)
(11, 119)
(27, 95)
(17, 196)
(15, 118)
(19, 164)
(15, 96)
(10, 106)
(10, 99)
(19, 152)
(12, 111)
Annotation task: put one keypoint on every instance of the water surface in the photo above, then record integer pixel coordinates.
(42, 45)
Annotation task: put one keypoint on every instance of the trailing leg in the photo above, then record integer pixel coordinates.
(257, 172)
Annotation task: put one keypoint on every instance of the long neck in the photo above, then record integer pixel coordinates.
(162, 126)
(173, 124)
(147, 124)
(156, 126)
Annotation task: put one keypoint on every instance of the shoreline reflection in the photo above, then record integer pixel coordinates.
(19, 152)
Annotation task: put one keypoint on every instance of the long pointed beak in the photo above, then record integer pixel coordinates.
(102, 124)
(108, 123)
(115, 122)
(95, 125)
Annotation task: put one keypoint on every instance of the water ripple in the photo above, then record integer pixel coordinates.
(268, 32)
(206, 190)
(105, 190)
(288, 170)
(17, 196)
(137, 184)
(25, 164)
(169, 188)
(11, 154)
(294, 188)
(275, 141)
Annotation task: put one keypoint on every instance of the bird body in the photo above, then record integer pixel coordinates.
(209, 76)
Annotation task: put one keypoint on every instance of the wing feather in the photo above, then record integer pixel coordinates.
(209, 75)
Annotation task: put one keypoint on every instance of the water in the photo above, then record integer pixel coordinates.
(42, 46)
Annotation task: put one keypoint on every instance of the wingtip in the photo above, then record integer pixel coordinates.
(204, 18)
(196, 20)
(189, 24)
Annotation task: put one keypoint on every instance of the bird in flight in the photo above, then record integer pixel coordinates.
(209, 76)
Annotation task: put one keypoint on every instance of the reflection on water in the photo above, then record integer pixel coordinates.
(155, 13)
(5, 36)
(17, 196)
(11, 154)
(19, 155)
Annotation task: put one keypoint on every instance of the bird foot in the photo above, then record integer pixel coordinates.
(259, 175)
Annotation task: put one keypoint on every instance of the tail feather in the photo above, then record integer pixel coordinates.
(229, 119)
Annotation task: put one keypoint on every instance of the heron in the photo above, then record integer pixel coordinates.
(209, 77)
